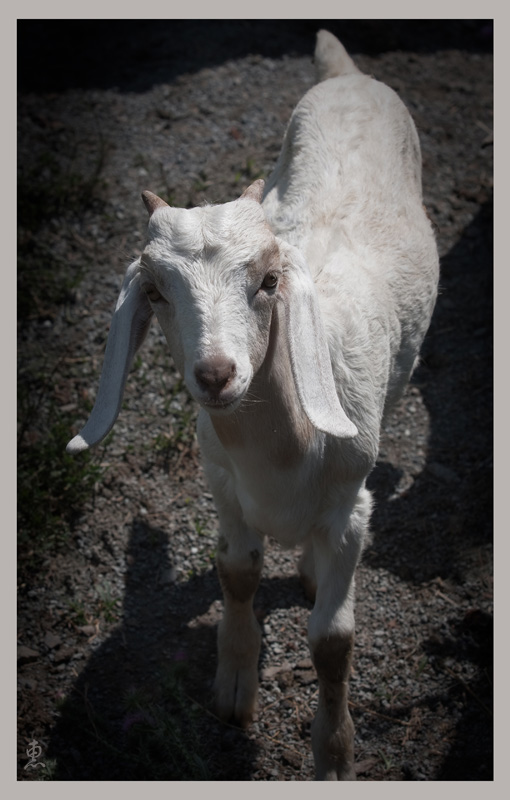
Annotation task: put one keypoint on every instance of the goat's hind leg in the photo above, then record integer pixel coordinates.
(331, 638)
(239, 560)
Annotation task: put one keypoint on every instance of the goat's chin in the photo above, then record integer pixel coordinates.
(219, 407)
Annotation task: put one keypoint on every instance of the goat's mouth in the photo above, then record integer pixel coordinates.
(220, 405)
(223, 403)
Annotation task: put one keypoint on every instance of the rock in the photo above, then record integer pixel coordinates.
(365, 765)
(306, 676)
(269, 673)
(51, 640)
(25, 655)
(293, 758)
(64, 654)
(30, 683)
(87, 630)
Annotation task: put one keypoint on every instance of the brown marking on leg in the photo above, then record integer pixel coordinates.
(240, 584)
(332, 658)
(333, 730)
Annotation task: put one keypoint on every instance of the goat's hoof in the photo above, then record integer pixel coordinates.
(346, 772)
(236, 696)
(231, 712)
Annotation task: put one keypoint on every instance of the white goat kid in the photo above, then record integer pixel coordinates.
(296, 323)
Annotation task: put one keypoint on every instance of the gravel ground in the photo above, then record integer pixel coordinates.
(117, 614)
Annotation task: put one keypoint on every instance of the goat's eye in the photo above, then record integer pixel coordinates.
(270, 280)
(152, 293)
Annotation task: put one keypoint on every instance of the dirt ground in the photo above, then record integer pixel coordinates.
(118, 596)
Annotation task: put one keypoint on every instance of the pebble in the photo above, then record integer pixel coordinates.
(26, 654)
(51, 640)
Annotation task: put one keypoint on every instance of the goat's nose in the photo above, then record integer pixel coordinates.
(215, 373)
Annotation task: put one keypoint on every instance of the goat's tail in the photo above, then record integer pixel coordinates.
(331, 58)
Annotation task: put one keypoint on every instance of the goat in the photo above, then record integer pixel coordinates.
(295, 315)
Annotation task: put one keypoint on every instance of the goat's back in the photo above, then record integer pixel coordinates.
(347, 192)
(350, 163)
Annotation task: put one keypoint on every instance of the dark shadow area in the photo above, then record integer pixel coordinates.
(470, 757)
(134, 55)
(470, 639)
(449, 506)
(442, 526)
(141, 709)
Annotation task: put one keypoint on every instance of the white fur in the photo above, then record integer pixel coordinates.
(293, 381)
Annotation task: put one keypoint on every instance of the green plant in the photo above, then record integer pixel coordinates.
(179, 437)
(159, 733)
(387, 762)
(250, 172)
(108, 604)
(422, 664)
(48, 771)
(51, 185)
(52, 486)
(53, 190)
(78, 613)
(48, 190)
(200, 528)
(165, 745)
(202, 183)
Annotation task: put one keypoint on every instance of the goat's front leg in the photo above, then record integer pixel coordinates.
(306, 569)
(239, 559)
(331, 638)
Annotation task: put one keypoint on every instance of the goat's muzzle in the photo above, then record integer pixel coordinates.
(214, 377)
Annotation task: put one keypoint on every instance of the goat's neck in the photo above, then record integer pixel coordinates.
(270, 422)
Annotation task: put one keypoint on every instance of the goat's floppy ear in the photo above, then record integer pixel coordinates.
(128, 329)
(309, 352)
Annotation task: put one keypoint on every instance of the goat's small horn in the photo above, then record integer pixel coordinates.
(152, 202)
(254, 191)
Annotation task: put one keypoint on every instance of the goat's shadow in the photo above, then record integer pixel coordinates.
(132, 702)
(141, 709)
(441, 528)
(449, 505)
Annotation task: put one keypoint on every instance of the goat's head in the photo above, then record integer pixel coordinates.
(212, 276)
